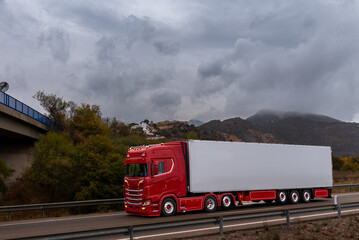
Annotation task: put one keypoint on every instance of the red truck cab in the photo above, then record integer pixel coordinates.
(154, 173)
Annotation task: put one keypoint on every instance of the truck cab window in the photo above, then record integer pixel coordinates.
(161, 167)
(136, 170)
(158, 167)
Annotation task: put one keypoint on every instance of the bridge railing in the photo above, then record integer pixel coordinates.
(15, 104)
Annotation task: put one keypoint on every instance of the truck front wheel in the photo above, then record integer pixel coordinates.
(169, 207)
(210, 204)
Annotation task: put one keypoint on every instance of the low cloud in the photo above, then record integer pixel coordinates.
(58, 42)
(186, 60)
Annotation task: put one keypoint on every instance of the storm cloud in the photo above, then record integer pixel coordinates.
(185, 59)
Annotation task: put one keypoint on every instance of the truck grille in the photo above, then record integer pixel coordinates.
(133, 196)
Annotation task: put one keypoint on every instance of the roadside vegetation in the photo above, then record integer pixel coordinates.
(82, 158)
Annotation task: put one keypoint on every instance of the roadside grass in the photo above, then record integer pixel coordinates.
(345, 177)
(58, 212)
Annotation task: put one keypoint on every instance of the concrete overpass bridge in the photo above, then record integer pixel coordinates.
(20, 127)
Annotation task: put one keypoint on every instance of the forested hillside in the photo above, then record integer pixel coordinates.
(83, 156)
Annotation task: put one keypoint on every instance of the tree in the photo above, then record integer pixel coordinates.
(192, 135)
(58, 109)
(117, 127)
(52, 170)
(100, 169)
(86, 121)
(5, 172)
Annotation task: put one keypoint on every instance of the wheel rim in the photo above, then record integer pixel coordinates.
(210, 204)
(282, 196)
(168, 207)
(226, 201)
(306, 196)
(295, 197)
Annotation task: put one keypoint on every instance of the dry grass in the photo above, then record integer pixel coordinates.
(345, 177)
(34, 214)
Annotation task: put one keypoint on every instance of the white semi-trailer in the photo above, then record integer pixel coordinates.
(240, 166)
(194, 175)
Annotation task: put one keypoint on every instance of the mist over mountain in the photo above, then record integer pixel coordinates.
(195, 122)
(267, 117)
(288, 128)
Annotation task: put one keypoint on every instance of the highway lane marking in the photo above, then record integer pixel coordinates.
(61, 220)
(241, 224)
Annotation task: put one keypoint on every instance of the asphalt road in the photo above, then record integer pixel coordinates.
(29, 228)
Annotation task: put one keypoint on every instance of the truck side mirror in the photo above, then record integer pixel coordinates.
(155, 169)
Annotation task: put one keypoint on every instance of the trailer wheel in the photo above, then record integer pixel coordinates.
(294, 196)
(226, 201)
(169, 207)
(281, 197)
(210, 204)
(305, 197)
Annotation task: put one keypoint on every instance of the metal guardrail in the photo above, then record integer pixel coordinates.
(218, 221)
(45, 206)
(351, 186)
(15, 104)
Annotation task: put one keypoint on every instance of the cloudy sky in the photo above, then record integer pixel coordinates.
(164, 60)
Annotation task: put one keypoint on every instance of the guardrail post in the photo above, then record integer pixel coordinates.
(339, 211)
(221, 225)
(9, 218)
(351, 189)
(287, 213)
(130, 230)
(43, 212)
(335, 200)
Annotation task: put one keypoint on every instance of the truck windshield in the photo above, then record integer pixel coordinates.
(136, 170)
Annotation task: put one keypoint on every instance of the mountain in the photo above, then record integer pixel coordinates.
(195, 122)
(288, 128)
(268, 117)
(236, 129)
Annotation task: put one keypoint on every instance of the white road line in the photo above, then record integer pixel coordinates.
(241, 224)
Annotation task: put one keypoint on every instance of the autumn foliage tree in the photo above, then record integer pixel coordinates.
(81, 159)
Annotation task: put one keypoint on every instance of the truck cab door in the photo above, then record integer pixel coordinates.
(161, 176)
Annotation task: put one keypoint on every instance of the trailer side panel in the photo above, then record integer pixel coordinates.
(238, 166)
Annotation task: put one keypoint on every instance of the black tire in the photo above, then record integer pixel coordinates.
(281, 197)
(294, 196)
(268, 201)
(306, 196)
(227, 201)
(169, 207)
(210, 204)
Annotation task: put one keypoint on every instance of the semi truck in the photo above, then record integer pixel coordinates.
(174, 177)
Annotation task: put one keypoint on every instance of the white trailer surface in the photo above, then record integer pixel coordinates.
(238, 166)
